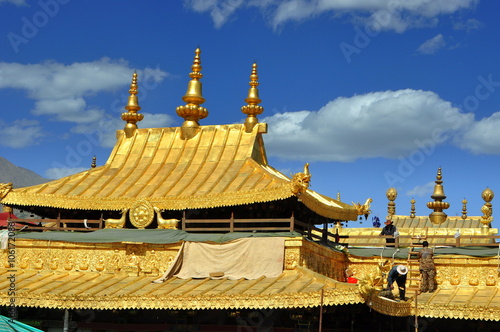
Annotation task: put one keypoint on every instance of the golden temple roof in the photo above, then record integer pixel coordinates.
(78, 290)
(221, 166)
(187, 167)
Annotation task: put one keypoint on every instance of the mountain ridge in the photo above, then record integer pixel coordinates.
(19, 176)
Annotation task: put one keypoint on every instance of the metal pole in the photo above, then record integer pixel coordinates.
(416, 310)
(66, 320)
(321, 312)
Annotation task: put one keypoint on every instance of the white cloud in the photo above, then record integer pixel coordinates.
(20, 133)
(432, 45)
(469, 25)
(220, 11)
(61, 91)
(385, 124)
(397, 15)
(52, 80)
(57, 173)
(424, 190)
(483, 136)
(104, 133)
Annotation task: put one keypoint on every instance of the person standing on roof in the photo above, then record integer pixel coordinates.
(398, 274)
(389, 229)
(427, 268)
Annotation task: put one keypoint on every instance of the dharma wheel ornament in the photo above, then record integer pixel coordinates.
(192, 112)
(438, 216)
(141, 214)
(487, 208)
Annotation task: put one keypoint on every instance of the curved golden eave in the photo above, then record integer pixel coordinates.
(223, 165)
(96, 290)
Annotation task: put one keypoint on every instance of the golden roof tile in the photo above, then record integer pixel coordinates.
(223, 165)
(293, 288)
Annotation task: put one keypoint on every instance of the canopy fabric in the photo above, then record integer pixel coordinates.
(248, 258)
(11, 325)
(157, 236)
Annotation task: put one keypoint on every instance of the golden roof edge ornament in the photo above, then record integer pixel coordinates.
(391, 195)
(412, 208)
(300, 181)
(487, 208)
(192, 112)
(464, 209)
(438, 216)
(5, 188)
(363, 209)
(252, 109)
(132, 117)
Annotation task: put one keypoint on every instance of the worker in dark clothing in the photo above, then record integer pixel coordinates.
(389, 229)
(427, 268)
(398, 274)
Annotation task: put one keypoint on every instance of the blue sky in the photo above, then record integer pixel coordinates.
(373, 94)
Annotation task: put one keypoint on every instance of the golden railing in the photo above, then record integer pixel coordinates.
(434, 240)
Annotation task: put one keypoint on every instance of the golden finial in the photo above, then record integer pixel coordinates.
(192, 112)
(132, 117)
(391, 195)
(464, 209)
(412, 213)
(487, 208)
(438, 216)
(252, 109)
(93, 165)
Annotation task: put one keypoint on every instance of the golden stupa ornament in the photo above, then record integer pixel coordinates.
(438, 216)
(391, 195)
(252, 109)
(412, 210)
(132, 117)
(192, 112)
(464, 209)
(487, 208)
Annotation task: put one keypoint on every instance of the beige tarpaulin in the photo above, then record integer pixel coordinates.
(248, 258)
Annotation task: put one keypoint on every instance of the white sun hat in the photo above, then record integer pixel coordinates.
(402, 269)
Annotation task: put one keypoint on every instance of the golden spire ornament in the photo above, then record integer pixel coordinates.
(391, 195)
(192, 112)
(412, 209)
(438, 216)
(132, 117)
(252, 109)
(464, 209)
(487, 208)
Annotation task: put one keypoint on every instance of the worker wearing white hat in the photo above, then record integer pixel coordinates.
(398, 274)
